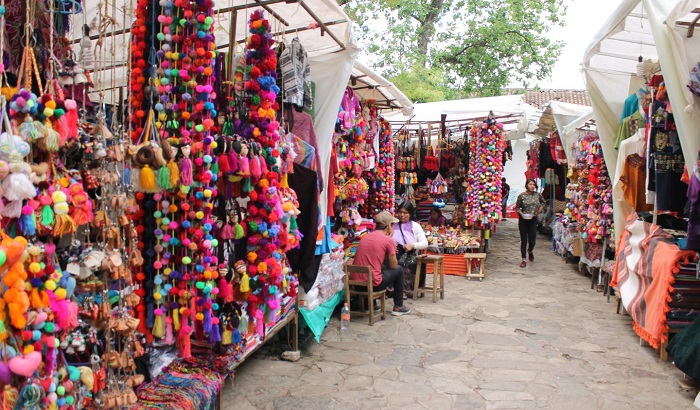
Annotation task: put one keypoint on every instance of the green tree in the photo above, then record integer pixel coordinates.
(458, 48)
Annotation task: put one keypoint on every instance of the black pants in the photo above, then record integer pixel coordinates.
(528, 235)
(393, 278)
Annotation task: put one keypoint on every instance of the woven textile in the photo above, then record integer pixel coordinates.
(647, 260)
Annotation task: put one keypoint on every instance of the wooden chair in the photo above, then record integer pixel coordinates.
(365, 292)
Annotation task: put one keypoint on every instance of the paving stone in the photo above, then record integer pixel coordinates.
(490, 339)
(403, 356)
(442, 356)
(523, 338)
(310, 403)
(505, 395)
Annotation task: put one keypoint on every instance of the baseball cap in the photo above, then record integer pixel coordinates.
(385, 219)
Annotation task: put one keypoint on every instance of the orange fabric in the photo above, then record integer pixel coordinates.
(664, 265)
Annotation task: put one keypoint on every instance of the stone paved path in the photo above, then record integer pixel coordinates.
(523, 338)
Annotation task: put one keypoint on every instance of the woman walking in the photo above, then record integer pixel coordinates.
(528, 205)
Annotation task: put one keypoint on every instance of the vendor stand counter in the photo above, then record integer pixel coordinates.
(452, 244)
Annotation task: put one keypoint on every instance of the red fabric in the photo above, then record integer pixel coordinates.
(371, 251)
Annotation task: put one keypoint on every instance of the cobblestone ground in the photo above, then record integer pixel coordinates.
(523, 338)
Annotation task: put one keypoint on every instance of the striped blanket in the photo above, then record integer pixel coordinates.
(646, 262)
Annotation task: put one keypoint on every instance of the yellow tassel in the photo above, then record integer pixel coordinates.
(283, 182)
(174, 173)
(158, 327)
(227, 337)
(245, 285)
(63, 225)
(176, 319)
(148, 179)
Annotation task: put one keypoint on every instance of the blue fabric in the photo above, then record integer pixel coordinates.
(631, 106)
(327, 243)
(318, 319)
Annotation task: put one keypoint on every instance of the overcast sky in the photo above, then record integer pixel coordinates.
(584, 19)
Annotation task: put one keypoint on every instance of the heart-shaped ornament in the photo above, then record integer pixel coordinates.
(25, 365)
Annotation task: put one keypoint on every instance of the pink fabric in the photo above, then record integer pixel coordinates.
(303, 127)
(372, 250)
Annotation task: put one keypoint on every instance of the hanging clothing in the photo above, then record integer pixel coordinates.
(302, 125)
(632, 178)
(629, 127)
(668, 170)
(631, 105)
(304, 182)
(296, 75)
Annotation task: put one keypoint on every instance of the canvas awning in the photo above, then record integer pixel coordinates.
(369, 85)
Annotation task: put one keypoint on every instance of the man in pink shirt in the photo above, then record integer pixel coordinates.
(378, 251)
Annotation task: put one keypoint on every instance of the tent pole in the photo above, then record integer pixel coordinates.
(321, 24)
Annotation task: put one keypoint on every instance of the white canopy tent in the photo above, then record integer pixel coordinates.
(656, 30)
(510, 109)
(322, 27)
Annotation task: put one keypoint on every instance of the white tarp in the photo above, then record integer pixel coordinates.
(371, 86)
(647, 28)
(568, 119)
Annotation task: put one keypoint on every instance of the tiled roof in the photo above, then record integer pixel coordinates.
(538, 98)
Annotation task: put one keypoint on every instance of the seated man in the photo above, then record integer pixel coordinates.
(373, 249)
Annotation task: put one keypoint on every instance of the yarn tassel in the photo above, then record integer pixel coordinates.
(31, 130)
(227, 337)
(27, 224)
(3, 332)
(206, 325)
(225, 290)
(242, 325)
(148, 179)
(62, 129)
(186, 172)
(17, 186)
(233, 164)
(263, 164)
(255, 171)
(243, 166)
(64, 225)
(164, 178)
(141, 309)
(245, 284)
(236, 337)
(214, 335)
(284, 183)
(239, 232)
(176, 319)
(174, 173)
(224, 166)
(46, 216)
(184, 344)
(247, 186)
(39, 300)
(214, 168)
(158, 329)
(71, 117)
(169, 338)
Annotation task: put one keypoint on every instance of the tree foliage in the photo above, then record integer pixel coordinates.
(440, 48)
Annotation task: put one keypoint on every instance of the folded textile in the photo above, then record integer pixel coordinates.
(647, 260)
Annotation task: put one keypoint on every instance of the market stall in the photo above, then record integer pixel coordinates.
(638, 74)
(157, 204)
